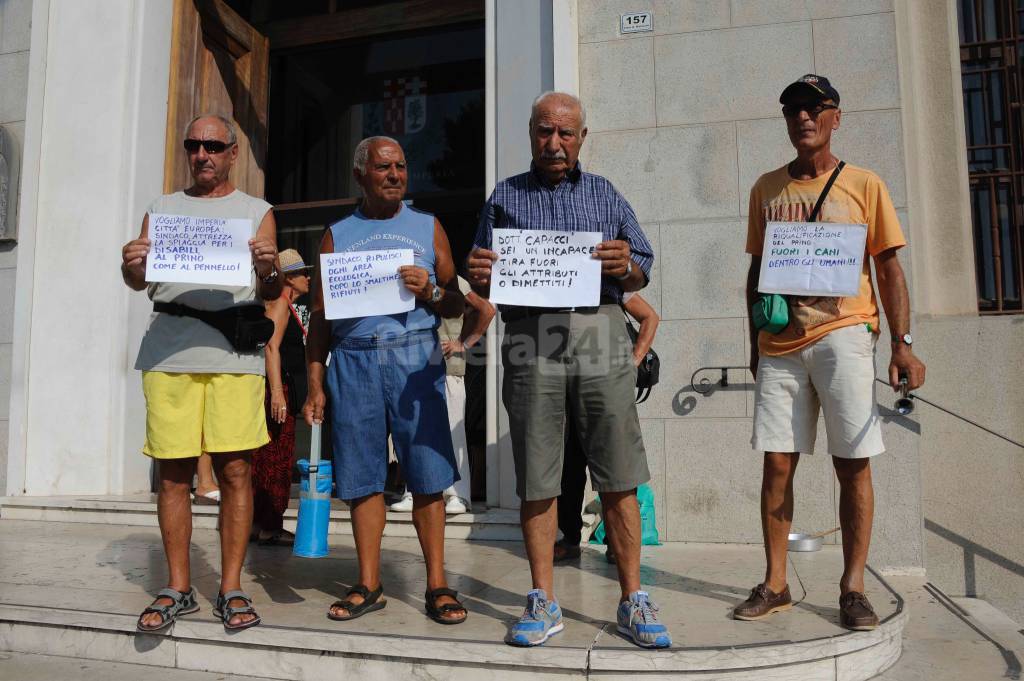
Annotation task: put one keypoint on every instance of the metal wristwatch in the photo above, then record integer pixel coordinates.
(436, 295)
(906, 339)
(629, 270)
(270, 278)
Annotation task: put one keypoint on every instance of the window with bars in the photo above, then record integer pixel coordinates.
(992, 66)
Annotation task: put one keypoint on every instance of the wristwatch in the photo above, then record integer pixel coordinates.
(270, 278)
(906, 339)
(436, 295)
(629, 270)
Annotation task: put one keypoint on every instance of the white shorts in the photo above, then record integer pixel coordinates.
(835, 373)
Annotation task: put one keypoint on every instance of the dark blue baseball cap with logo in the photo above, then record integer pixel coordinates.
(814, 85)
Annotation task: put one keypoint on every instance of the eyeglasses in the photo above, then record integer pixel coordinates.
(813, 110)
(211, 146)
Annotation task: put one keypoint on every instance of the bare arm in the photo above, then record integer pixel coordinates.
(264, 257)
(892, 289)
(133, 258)
(417, 279)
(452, 303)
(317, 342)
(753, 275)
(479, 314)
(640, 310)
(277, 311)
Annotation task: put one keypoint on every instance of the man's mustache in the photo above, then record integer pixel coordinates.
(557, 156)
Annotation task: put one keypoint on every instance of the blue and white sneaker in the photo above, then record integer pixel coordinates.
(637, 619)
(541, 620)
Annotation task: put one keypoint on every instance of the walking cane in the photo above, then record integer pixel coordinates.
(314, 506)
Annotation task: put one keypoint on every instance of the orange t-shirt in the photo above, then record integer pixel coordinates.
(857, 197)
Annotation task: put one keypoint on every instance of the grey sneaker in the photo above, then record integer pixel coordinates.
(541, 620)
(638, 621)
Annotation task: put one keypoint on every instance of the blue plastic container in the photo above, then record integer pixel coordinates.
(314, 512)
(324, 476)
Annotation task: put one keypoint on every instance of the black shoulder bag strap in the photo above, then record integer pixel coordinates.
(824, 192)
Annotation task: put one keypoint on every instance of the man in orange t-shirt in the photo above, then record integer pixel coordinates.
(824, 359)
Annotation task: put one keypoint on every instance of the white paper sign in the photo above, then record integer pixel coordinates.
(365, 283)
(198, 250)
(812, 258)
(546, 268)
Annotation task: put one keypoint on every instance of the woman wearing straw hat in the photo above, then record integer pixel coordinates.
(286, 392)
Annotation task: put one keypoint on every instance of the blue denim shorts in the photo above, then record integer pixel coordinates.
(396, 385)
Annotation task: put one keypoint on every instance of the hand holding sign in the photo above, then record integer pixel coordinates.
(546, 268)
(264, 255)
(198, 250)
(365, 283)
(133, 255)
(614, 256)
(479, 265)
(417, 281)
(812, 259)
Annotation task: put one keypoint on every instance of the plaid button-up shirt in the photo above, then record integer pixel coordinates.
(583, 202)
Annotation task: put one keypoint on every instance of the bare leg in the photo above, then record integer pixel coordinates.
(206, 482)
(235, 475)
(428, 517)
(622, 520)
(777, 514)
(368, 517)
(856, 512)
(539, 520)
(174, 512)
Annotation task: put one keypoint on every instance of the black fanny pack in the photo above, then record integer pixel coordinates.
(246, 328)
(647, 371)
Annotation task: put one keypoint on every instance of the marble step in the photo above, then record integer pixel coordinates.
(140, 510)
(298, 654)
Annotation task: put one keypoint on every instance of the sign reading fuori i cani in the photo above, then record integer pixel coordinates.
(812, 259)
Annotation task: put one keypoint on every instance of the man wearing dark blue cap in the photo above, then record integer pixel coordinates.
(823, 359)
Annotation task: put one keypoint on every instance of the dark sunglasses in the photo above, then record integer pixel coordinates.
(211, 146)
(813, 110)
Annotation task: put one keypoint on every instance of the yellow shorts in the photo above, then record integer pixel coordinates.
(188, 414)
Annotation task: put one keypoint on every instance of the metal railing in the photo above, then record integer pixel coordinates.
(706, 386)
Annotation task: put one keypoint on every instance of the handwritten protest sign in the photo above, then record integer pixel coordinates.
(365, 283)
(198, 250)
(545, 268)
(812, 258)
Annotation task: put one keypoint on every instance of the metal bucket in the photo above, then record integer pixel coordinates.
(804, 542)
(809, 542)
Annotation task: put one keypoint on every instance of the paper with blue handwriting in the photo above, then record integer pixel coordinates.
(545, 268)
(365, 283)
(812, 259)
(197, 250)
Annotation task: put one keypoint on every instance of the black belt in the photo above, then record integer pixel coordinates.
(515, 313)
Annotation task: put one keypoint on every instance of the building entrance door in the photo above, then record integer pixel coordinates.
(306, 80)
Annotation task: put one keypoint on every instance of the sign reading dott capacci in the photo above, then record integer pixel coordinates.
(365, 283)
(812, 259)
(197, 250)
(545, 268)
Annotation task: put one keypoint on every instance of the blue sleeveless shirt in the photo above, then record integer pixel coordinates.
(410, 228)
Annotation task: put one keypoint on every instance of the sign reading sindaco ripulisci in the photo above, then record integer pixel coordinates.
(365, 283)
(198, 250)
(812, 258)
(546, 268)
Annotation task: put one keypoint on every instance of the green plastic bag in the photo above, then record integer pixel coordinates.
(648, 524)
